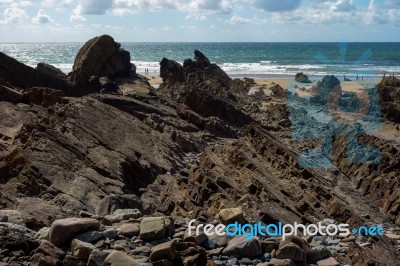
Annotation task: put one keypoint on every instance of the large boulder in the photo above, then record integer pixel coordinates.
(100, 56)
(118, 258)
(65, 230)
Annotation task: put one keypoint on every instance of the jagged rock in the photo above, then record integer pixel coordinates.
(389, 94)
(302, 78)
(64, 230)
(51, 71)
(162, 251)
(11, 71)
(100, 56)
(47, 254)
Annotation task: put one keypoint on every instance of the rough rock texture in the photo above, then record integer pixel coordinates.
(389, 92)
(22, 76)
(197, 146)
(100, 56)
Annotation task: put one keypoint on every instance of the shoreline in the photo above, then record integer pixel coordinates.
(270, 80)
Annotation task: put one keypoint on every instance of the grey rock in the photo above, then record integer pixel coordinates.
(241, 246)
(124, 214)
(91, 237)
(291, 251)
(97, 258)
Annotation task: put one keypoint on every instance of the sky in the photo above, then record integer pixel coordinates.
(200, 20)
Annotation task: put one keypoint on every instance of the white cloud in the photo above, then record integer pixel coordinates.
(198, 9)
(13, 15)
(76, 15)
(277, 6)
(41, 18)
(234, 20)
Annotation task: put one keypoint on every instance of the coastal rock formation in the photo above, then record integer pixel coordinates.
(113, 178)
(389, 93)
(101, 57)
(21, 76)
(302, 78)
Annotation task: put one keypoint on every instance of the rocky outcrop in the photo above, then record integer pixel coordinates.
(23, 77)
(101, 57)
(389, 93)
(302, 78)
(51, 71)
(203, 87)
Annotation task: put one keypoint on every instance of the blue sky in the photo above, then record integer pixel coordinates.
(200, 20)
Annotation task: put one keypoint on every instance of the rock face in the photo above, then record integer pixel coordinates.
(389, 93)
(100, 56)
(22, 76)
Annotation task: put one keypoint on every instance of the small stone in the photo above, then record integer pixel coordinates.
(97, 258)
(72, 261)
(124, 214)
(3, 218)
(144, 251)
(393, 236)
(118, 258)
(229, 216)
(13, 217)
(91, 237)
(194, 238)
(81, 250)
(165, 250)
(246, 261)
(152, 228)
(241, 246)
(318, 253)
(111, 233)
(291, 251)
(328, 262)
(129, 230)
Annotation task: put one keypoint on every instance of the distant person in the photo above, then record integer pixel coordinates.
(357, 77)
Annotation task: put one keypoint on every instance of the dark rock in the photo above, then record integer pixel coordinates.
(51, 71)
(302, 78)
(97, 258)
(11, 72)
(101, 57)
(239, 245)
(111, 203)
(72, 261)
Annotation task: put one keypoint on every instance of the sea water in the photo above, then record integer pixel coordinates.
(257, 60)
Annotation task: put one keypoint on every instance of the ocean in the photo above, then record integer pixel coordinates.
(256, 60)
